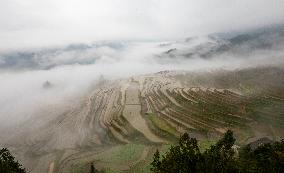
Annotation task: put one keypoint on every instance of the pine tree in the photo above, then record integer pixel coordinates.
(156, 164)
(8, 163)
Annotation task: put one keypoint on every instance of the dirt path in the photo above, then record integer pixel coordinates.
(132, 112)
(51, 167)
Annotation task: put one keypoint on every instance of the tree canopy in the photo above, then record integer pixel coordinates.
(8, 164)
(219, 158)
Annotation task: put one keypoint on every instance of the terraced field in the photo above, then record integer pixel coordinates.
(120, 124)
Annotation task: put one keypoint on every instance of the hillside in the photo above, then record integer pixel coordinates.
(120, 123)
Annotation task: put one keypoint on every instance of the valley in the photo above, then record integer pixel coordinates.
(118, 127)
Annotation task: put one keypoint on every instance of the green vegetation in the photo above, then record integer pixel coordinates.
(162, 124)
(8, 163)
(122, 154)
(211, 111)
(144, 166)
(205, 144)
(221, 157)
(107, 171)
(78, 167)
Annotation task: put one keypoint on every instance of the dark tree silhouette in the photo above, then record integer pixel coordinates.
(156, 164)
(220, 158)
(8, 163)
(265, 158)
(181, 158)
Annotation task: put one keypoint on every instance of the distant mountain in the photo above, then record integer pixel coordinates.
(212, 46)
(236, 43)
(50, 58)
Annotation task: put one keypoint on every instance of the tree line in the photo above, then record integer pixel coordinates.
(186, 157)
(222, 157)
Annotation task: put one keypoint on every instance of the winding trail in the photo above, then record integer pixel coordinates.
(51, 167)
(132, 112)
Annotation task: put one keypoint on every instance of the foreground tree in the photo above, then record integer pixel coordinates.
(156, 164)
(220, 158)
(184, 157)
(8, 163)
(265, 158)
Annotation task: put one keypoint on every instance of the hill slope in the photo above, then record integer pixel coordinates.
(120, 123)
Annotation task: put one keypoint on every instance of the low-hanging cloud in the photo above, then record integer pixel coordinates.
(59, 78)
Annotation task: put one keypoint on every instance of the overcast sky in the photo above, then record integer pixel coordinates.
(36, 23)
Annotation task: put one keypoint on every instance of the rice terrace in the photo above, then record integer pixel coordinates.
(141, 86)
(121, 124)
